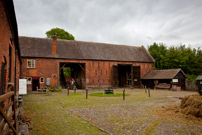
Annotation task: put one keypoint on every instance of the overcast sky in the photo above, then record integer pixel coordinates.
(127, 22)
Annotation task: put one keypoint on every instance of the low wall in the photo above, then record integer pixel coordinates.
(191, 85)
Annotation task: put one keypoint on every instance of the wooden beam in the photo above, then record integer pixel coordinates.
(8, 106)
(5, 96)
(63, 66)
(81, 67)
(7, 120)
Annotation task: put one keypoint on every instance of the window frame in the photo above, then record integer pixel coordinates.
(28, 79)
(32, 64)
(41, 78)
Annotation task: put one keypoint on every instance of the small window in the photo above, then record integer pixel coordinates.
(31, 63)
(41, 80)
(29, 80)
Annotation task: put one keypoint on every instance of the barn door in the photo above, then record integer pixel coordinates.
(182, 81)
(115, 76)
(136, 82)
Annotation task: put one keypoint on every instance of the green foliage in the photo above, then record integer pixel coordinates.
(53, 89)
(67, 71)
(187, 58)
(192, 77)
(60, 33)
(59, 89)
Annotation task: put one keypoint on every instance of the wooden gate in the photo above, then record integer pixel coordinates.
(136, 81)
(8, 114)
(115, 76)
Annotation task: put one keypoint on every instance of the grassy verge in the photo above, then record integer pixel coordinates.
(58, 113)
(108, 95)
(49, 116)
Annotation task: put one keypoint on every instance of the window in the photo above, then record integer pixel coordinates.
(31, 63)
(3, 76)
(29, 80)
(41, 80)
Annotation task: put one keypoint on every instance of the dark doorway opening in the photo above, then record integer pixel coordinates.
(69, 71)
(35, 84)
(136, 76)
(124, 75)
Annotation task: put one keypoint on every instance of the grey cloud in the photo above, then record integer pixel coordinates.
(132, 22)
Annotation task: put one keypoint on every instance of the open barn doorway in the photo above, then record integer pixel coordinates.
(126, 76)
(69, 71)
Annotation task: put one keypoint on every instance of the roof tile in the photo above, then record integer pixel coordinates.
(69, 49)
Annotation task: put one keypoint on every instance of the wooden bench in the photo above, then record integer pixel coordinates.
(109, 91)
(41, 91)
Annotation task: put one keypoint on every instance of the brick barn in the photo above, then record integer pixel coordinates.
(91, 64)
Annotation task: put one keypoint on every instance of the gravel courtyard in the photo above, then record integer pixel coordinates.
(137, 114)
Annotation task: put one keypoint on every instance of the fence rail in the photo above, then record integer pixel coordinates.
(8, 115)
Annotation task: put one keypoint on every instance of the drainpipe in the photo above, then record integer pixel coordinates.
(15, 72)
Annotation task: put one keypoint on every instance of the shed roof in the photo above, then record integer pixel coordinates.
(162, 74)
(69, 49)
(199, 77)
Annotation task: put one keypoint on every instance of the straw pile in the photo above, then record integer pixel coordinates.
(192, 105)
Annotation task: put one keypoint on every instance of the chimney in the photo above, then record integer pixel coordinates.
(54, 45)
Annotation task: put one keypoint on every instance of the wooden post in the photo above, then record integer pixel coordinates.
(145, 89)
(124, 94)
(86, 93)
(149, 91)
(74, 87)
(67, 91)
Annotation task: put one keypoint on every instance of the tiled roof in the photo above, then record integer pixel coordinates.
(162, 74)
(199, 77)
(69, 49)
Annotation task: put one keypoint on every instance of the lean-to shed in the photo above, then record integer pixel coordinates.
(169, 78)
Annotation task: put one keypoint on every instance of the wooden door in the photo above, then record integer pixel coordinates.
(136, 81)
(115, 76)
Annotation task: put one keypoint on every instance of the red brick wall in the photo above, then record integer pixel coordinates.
(104, 71)
(49, 68)
(6, 39)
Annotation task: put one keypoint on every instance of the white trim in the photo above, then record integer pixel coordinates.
(32, 63)
(41, 81)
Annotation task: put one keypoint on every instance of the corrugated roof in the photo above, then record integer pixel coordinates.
(199, 77)
(162, 74)
(69, 49)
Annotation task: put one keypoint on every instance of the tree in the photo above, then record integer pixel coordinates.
(187, 58)
(60, 33)
(158, 53)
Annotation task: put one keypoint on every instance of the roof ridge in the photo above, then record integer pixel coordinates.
(83, 41)
(41, 47)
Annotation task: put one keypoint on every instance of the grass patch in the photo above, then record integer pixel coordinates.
(49, 116)
(108, 95)
(59, 114)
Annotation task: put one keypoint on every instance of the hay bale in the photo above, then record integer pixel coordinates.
(192, 105)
